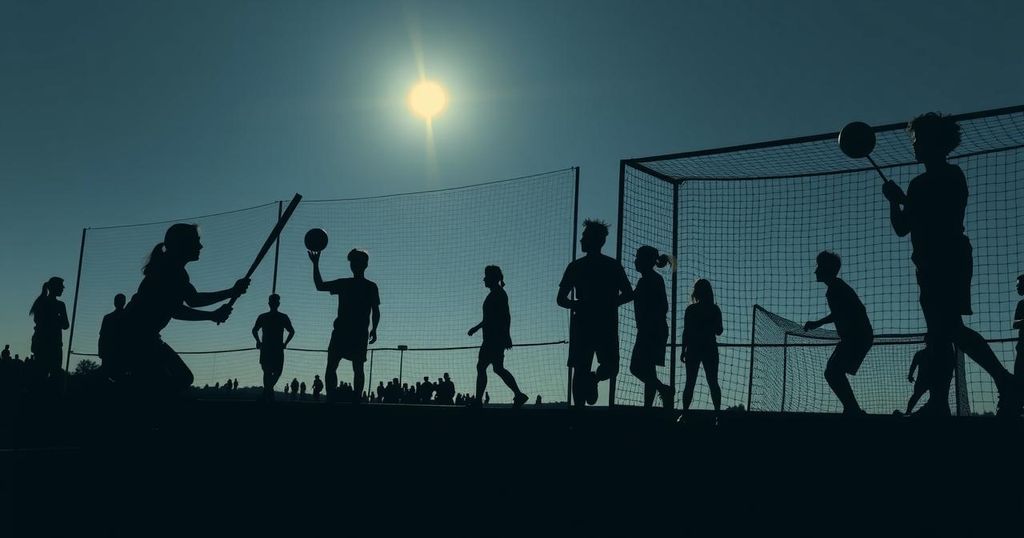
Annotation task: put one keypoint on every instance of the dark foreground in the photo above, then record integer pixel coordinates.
(293, 469)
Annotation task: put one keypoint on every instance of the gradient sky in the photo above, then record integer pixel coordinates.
(118, 112)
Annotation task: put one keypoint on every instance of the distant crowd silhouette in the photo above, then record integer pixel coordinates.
(932, 211)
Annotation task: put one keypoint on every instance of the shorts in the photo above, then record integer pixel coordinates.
(945, 288)
(849, 354)
(491, 355)
(272, 359)
(649, 348)
(585, 342)
(349, 345)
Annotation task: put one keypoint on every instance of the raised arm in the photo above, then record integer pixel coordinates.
(318, 280)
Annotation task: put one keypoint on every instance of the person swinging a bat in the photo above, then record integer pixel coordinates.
(932, 212)
(165, 293)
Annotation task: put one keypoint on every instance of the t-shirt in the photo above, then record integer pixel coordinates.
(702, 323)
(160, 294)
(108, 333)
(356, 297)
(848, 313)
(1019, 314)
(649, 302)
(934, 209)
(50, 317)
(597, 280)
(497, 319)
(273, 324)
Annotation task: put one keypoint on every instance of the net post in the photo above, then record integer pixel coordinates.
(369, 376)
(675, 288)
(74, 312)
(277, 247)
(618, 254)
(575, 244)
(785, 365)
(401, 361)
(750, 379)
(963, 405)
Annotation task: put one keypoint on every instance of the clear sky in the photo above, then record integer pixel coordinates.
(115, 112)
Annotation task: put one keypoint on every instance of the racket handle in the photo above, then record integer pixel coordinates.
(877, 169)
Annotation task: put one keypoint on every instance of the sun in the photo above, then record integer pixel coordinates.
(427, 99)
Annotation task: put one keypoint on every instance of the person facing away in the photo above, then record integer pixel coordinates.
(5, 355)
(497, 337)
(650, 306)
(50, 317)
(850, 318)
(108, 349)
(702, 324)
(358, 307)
(1018, 323)
(273, 324)
(920, 364)
(318, 387)
(601, 286)
(932, 211)
(425, 390)
(295, 388)
(166, 293)
(302, 390)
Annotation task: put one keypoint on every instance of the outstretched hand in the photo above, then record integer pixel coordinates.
(373, 337)
(220, 315)
(314, 256)
(893, 192)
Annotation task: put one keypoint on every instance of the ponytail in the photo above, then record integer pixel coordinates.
(664, 260)
(156, 256)
(42, 296)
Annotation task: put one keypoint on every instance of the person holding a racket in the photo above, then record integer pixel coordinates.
(165, 293)
(932, 212)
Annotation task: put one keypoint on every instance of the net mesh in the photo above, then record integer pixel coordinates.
(752, 219)
(427, 254)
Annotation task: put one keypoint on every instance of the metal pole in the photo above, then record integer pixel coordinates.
(277, 248)
(369, 377)
(74, 311)
(750, 380)
(575, 244)
(618, 254)
(785, 364)
(401, 362)
(675, 286)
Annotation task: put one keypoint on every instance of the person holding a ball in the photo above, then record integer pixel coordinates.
(357, 321)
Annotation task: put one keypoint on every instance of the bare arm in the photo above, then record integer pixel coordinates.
(185, 313)
(563, 299)
(374, 321)
(811, 325)
(197, 299)
(291, 333)
(318, 280)
(625, 290)
(63, 316)
(256, 333)
(897, 214)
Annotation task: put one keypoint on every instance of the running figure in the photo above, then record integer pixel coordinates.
(497, 338)
(50, 317)
(702, 324)
(273, 324)
(852, 325)
(166, 292)
(932, 212)
(601, 288)
(358, 307)
(650, 306)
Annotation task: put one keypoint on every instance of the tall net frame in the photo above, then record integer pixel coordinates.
(752, 218)
(427, 254)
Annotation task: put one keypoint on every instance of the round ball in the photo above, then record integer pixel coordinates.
(857, 140)
(316, 240)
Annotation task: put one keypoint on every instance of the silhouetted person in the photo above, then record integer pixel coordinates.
(601, 287)
(425, 390)
(302, 390)
(496, 325)
(234, 385)
(850, 317)
(51, 317)
(702, 324)
(295, 388)
(318, 387)
(538, 401)
(380, 391)
(358, 307)
(5, 355)
(920, 364)
(228, 386)
(1018, 323)
(650, 306)
(111, 355)
(932, 212)
(286, 388)
(273, 324)
(165, 293)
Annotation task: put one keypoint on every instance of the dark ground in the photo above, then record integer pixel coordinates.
(240, 468)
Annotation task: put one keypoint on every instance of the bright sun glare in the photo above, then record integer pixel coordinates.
(427, 99)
